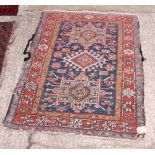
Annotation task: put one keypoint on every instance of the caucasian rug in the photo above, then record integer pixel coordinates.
(84, 76)
(5, 33)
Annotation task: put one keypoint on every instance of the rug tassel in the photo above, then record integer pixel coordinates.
(141, 131)
(25, 51)
(30, 143)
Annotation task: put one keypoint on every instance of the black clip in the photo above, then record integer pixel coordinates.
(25, 51)
(141, 53)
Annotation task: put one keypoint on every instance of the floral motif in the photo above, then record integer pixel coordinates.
(56, 65)
(128, 52)
(128, 70)
(66, 50)
(43, 47)
(110, 67)
(58, 55)
(42, 120)
(128, 92)
(75, 123)
(89, 16)
(30, 86)
(112, 56)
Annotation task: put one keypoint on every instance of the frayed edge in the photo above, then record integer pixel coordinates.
(141, 130)
(24, 66)
(89, 11)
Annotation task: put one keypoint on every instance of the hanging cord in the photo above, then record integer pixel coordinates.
(141, 53)
(25, 51)
(140, 45)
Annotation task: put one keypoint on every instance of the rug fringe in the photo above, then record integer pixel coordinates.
(141, 131)
(88, 11)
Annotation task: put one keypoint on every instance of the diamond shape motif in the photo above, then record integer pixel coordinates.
(84, 60)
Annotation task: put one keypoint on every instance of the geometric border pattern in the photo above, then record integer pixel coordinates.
(122, 128)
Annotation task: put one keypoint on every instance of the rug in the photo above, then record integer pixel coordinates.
(8, 10)
(85, 76)
(5, 33)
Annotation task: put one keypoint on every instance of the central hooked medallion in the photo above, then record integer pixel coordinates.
(79, 92)
(88, 35)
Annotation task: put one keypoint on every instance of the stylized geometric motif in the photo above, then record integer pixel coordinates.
(88, 35)
(85, 76)
(79, 92)
(84, 60)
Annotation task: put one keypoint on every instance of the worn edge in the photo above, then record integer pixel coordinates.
(8, 119)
